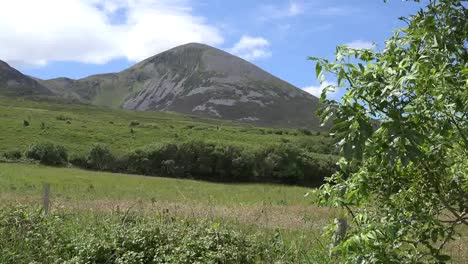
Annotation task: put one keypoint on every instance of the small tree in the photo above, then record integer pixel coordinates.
(404, 181)
(100, 157)
(48, 154)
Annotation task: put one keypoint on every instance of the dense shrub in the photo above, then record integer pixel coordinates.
(100, 158)
(13, 154)
(134, 124)
(322, 145)
(63, 118)
(285, 163)
(278, 132)
(79, 161)
(28, 236)
(48, 154)
(305, 131)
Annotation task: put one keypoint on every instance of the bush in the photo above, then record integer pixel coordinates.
(305, 132)
(28, 236)
(79, 161)
(284, 163)
(63, 118)
(100, 158)
(48, 154)
(13, 154)
(134, 124)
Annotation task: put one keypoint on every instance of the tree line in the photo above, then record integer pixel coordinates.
(280, 163)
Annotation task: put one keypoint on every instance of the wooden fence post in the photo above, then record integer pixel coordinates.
(341, 228)
(46, 198)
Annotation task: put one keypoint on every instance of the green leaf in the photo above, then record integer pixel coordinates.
(318, 69)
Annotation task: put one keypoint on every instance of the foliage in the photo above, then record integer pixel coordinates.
(405, 181)
(13, 154)
(28, 236)
(284, 163)
(99, 158)
(63, 117)
(134, 123)
(48, 154)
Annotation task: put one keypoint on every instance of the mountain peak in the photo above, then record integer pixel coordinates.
(195, 79)
(194, 45)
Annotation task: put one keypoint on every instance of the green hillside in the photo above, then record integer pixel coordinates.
(79, 126)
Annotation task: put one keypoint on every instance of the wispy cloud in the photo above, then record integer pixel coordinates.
(360, 44)
(271, 12)
(252, 48)
(296, 8)
(86, 30)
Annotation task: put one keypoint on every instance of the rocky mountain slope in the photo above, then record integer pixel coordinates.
(196, 79)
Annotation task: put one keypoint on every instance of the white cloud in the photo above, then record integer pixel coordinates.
(35, 32)
(269, 12)
(252, 48)
(317, 90)
(299, 7)
(294, 9)
(360, 44)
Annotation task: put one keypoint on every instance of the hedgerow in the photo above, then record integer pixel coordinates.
(283, 163)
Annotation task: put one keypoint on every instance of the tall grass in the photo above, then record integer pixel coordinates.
(28, 236)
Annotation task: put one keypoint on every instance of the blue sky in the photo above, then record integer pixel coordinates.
(77, 38)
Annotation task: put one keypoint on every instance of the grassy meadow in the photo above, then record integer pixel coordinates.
(77, 127)
(284, 217)
(264, 211)
(78, 185)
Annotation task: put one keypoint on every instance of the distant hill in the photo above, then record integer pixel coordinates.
(14, 83)
(192, 79)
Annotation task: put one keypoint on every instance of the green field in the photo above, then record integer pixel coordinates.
(262, 210)
(77, 185)
(77, 127)
(266, 205)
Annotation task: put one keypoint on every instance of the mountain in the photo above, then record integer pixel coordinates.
(14, 83)
(196, 79)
